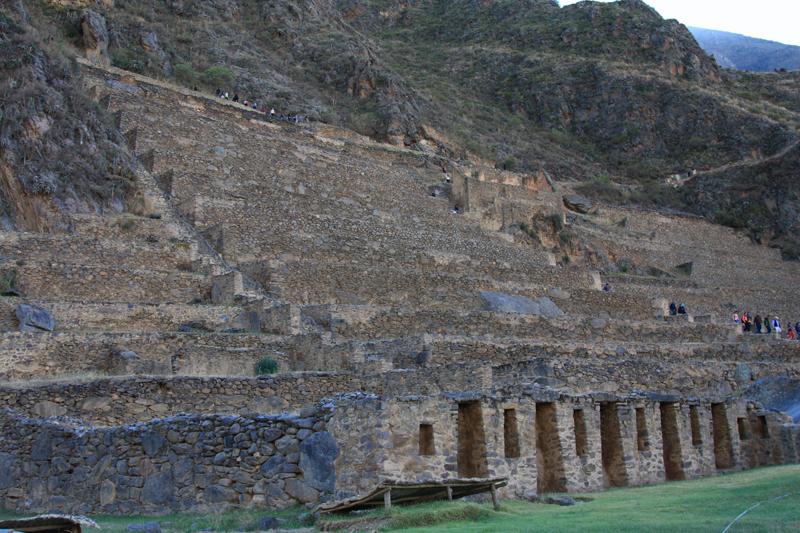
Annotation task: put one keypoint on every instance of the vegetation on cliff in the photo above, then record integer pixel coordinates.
(58, 151)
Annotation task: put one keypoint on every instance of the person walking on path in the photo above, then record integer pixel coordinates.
(757, 322)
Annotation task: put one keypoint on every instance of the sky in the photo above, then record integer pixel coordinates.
(776, 20)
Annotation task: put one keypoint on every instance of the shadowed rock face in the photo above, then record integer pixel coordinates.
(59, 153)
(762, 196)
(95, 37)
(778, 393)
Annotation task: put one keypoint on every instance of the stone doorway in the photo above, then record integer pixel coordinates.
(611, 446)
(670, 434)
(471, 441)
(550, 476)
(723, 452)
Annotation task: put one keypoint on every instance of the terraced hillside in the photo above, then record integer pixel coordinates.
(413, 340)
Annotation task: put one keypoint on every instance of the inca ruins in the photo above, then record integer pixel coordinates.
(412, 342)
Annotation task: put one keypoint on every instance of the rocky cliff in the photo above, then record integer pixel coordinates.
(58, 152)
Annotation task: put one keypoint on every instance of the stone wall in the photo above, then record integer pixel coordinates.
(42, 355)
(382, 322)
(151, 318)
(623, 440)
(199, 463)
(113, 401)
(76, 282)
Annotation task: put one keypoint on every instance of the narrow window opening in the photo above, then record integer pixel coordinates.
(763, 428)
(723, 453)
(551, 476)
(642, 437)
(670, 434)
(471, 441)
(744, 431)
(612, 452)
(581, 442)
(694, 416)
(510, 433)
(426, 444)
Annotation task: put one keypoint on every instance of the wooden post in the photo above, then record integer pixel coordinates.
(387, 499)
(495, 501)
(450, 493)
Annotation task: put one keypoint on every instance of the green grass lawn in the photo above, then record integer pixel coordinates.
(702, 505)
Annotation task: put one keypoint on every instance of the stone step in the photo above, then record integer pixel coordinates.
(368, 322)
(149, 252)
(40, 280)
(126, 227)
(51, 355)
(443, 350)
(289, 228)
(127, 317)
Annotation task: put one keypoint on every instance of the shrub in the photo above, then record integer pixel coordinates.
(8, 281)
(127, 60)
(217, 76)
(556, 220)
(266, 366)
(509, 163)
(186, 74)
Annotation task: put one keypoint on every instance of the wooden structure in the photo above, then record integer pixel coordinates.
(48, 523)
(392, 492)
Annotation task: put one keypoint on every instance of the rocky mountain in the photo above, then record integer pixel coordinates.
(740, 52)
(597, 92)
(58, 151)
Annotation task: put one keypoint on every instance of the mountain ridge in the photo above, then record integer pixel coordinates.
(741, 52)
(595, 92)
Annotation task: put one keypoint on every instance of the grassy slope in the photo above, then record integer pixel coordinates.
(702, 505)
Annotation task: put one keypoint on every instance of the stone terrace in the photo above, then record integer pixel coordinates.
(329, 253)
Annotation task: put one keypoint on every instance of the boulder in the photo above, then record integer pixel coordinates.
(46, 409)
(108, 492)
(522, 305)
(269, 522)
(560, 500)
(273, 466)
(95, 403)
(8, 470)
(778, 393)
(317, 455)
(159, 489)
(95, 37)
(220, 494)
(152, 443)
(33, 318)
(149, 42)
(579, 204)
(42, 448)
(301, 491)
(558, 294)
